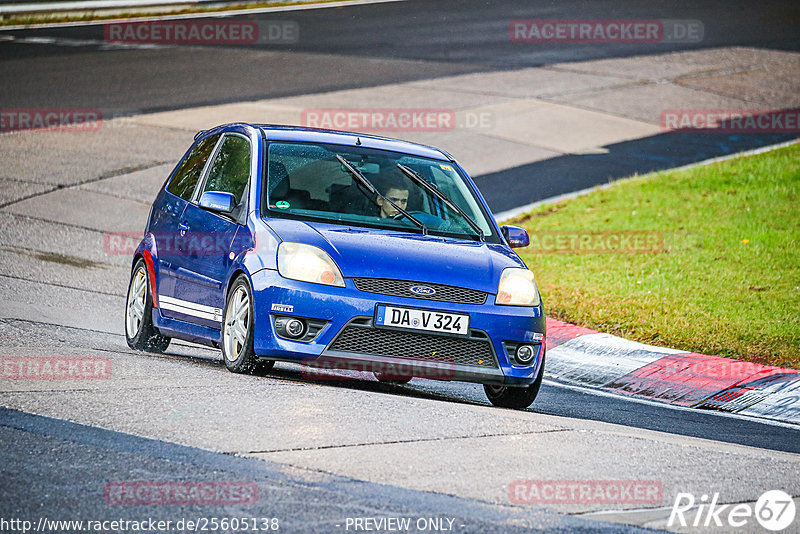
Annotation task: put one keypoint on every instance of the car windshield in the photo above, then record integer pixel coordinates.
(308, 181)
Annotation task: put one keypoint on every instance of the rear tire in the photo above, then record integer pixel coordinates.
(140, 332)
(237, 332)
(515, 398)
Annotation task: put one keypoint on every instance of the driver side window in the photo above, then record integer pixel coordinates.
(230, 170)
(186, 176)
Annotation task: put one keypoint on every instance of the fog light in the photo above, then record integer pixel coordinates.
(290, 327)
(295, 327)
(524, 354)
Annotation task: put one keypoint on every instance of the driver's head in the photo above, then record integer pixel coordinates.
(398, 196)
(395, 188)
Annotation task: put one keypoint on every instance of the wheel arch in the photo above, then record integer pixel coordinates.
(238, 271)
(149, 264)
(148, 252)
(136, 257)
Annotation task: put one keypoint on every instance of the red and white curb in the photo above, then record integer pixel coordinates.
(585, 356)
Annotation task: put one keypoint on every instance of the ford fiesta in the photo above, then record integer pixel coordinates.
(332, 248)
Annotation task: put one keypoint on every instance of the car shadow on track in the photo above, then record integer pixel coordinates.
(455, 392)
(361, 381)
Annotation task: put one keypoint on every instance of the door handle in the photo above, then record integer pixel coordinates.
(182, 228)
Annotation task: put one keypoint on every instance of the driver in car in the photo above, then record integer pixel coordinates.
(395, 189)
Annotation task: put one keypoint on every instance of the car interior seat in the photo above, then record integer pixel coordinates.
(280, 188)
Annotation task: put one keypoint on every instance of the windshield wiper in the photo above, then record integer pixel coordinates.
(372, 189)
(435, 191)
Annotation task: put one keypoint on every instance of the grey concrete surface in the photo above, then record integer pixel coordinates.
(605, 451)
(299, 500)
(140, 186)
(511, 118)
(63, 158)
(85, 209)
(53, 305)
(12, 190)
(684, 65)
(636, 102)
(766, 85)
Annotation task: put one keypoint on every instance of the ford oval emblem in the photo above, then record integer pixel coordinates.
(422, 290)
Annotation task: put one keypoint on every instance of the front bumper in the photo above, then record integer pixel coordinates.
(350, 340)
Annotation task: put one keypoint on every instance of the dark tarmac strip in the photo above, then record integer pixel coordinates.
(573, 172)
(585, 403)
(352, 47)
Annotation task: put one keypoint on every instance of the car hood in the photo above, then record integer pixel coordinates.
(376, 253)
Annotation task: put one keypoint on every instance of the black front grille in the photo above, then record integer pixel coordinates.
(402, 288)
(414, 346)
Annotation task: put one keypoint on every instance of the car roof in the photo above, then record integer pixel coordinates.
(276, 132)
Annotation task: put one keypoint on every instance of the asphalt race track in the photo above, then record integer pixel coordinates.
(324, 450)
(373, 45)
(353, 47)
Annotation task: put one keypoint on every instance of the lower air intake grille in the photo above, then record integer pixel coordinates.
(413, 346)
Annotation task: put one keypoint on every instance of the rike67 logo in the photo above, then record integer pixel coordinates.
(774, 510)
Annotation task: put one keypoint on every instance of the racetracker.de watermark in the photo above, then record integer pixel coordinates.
(731, 120)
(193, 244)
(586, 492)
(718, 369)
(381, 119)
(605, 31)
(202, 32)
(332, 369)
(602, 242)
(53, 119)
(152, 492)
(55, 368)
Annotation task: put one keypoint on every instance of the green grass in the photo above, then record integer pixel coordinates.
(727, 281)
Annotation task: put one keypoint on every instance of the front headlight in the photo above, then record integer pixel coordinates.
(308, 264)
(517, 288)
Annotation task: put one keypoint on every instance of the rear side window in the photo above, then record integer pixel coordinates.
(230, 170)
(187, 175)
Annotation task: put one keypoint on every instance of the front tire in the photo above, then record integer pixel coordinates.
(140, 332)
(237, 332)
(515, 398)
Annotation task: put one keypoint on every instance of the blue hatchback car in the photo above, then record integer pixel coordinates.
(337, 250)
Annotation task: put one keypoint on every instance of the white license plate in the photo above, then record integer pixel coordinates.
(426, 320)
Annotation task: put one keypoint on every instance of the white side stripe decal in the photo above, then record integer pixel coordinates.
(190, 308)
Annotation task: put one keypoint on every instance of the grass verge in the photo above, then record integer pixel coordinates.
(705, 259)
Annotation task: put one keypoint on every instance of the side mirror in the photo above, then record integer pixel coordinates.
(517, 237)
(217, 201)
